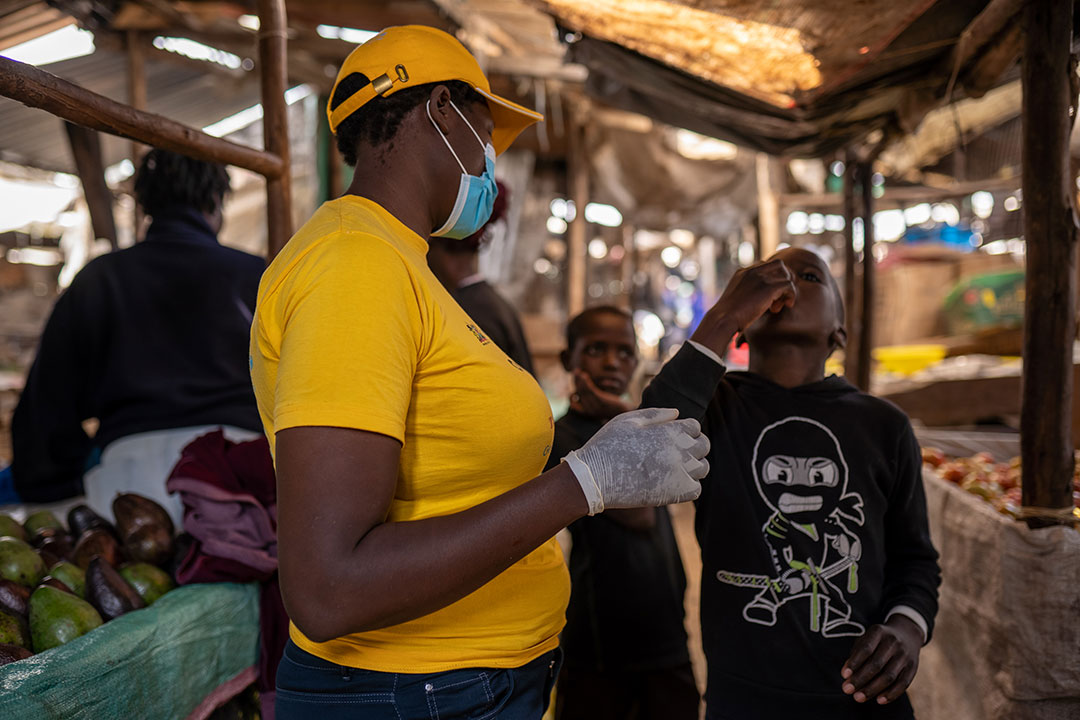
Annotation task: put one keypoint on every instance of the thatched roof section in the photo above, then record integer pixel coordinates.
(784, 53)
(793, 77)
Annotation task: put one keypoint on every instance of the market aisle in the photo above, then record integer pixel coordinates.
(682, 518)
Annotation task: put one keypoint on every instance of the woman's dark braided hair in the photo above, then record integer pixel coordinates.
(166, 180)
(377, 121)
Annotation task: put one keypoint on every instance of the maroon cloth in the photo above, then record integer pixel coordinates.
(229, 493)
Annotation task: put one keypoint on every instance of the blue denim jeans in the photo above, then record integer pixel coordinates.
(310, 687)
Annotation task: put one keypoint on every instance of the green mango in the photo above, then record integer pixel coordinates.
(71, 575)
(10, 527)
(20, 563)
(42, 522)
(57, 617)
(13, 630)
(149, 581)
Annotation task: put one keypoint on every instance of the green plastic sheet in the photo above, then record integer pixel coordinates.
(159, 662)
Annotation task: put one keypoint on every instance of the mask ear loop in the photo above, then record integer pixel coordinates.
(469, 124)
(448, 146)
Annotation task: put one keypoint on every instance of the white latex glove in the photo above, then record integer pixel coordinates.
(643, 458)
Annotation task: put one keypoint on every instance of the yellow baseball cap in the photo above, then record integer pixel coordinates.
(410, 55)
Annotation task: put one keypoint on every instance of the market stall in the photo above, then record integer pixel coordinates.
(1005, 641)
(108, 641)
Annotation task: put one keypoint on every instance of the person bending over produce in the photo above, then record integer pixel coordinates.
(151, 341)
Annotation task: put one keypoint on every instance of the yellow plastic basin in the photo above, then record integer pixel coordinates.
(909, 359)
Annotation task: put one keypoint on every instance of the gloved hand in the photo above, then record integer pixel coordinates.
(641, 458)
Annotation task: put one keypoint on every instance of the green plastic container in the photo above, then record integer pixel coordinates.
(984, 302)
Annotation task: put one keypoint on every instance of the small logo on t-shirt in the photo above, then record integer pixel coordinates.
(479, 335)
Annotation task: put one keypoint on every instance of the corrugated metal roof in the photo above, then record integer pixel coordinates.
(21, 20)
(36, 138)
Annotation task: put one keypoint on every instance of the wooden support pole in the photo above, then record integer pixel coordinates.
(37, 88)
(578, 186)
(136, 65)
(768, 207)
(866, 310)
(626, 267)
(851, 309)
(272, 59)
(136, 61)
(86, 149)
(1050, 229)
(707, 278)
(335, 165)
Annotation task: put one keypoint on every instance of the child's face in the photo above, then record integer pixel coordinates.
(606, 352)
(816, 316)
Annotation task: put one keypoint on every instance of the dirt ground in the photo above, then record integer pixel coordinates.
(682, 518)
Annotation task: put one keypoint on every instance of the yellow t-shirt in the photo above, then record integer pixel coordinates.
(353, 330)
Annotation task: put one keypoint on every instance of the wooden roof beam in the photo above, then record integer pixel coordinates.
(39, 89)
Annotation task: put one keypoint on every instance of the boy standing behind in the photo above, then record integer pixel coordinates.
(624, 640)
(819, 582)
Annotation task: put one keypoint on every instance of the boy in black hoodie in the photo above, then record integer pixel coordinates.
(819, 582)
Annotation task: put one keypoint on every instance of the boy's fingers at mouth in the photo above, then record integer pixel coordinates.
(785, 298)
(584, 383)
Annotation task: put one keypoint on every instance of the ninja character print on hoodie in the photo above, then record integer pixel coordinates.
(801, 475)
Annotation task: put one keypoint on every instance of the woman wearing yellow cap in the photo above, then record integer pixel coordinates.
(415, 530)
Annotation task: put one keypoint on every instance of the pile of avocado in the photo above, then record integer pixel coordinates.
(57, 584)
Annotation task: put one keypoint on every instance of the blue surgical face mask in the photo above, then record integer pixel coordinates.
(476, 195)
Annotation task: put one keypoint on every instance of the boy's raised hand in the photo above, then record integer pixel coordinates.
(591, 401)
(883, 661)
(753, 291)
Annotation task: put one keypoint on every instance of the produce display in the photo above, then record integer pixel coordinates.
(59, 583)
(996, 482)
